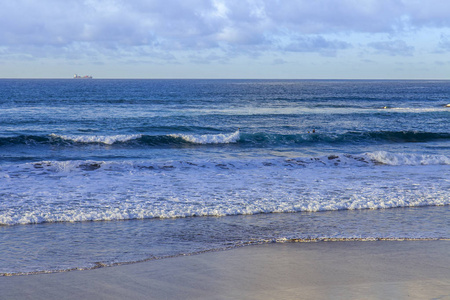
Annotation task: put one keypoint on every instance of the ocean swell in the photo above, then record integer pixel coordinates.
(245, 138)
(350, 137)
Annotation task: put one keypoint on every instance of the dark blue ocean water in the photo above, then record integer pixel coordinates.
(170, 167)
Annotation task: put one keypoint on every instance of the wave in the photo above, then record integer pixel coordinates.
(87, 190)
(170, 208)
(403, 159)
(404, 136)
(142, 213)
(99, 139)
(149, 140)
(251, 139)
(209, 138)
(440, 108)
(370, 159)
(24, 140)
(153, 140)
(347, 137)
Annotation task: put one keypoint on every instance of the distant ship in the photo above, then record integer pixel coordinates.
(82, 77)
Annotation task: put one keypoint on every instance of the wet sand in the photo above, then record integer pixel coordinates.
(322, 270)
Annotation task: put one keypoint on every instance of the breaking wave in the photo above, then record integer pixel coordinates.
(150, 140)
(108, 140)
(371, 159)
(209, 138)
(250, 139)
(88, 190)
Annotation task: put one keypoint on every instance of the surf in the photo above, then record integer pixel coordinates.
(209, 138)
(100, 139)
(245, 138)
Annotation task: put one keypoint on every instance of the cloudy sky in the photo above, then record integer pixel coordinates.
(360, 39)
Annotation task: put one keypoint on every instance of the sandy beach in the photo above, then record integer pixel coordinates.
(317, 270)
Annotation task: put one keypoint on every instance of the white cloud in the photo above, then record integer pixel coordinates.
(215, 30)
(203, 23)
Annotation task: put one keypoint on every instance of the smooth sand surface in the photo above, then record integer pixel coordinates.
(322, 270)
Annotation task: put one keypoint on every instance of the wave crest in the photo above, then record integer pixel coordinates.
(100, 139)
(253, 139)
(403, 159)
(209, 138)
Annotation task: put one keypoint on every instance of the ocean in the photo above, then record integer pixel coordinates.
(103, 172)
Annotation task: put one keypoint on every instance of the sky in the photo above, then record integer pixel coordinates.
(274, 39)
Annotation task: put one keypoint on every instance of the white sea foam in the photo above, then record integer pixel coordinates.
(102, 139)
(415, 109)
(89, 190)
(403, 159)
(209, 138)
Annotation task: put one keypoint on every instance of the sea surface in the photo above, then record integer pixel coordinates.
(102, 172)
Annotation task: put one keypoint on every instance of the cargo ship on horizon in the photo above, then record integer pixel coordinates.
(82, 77)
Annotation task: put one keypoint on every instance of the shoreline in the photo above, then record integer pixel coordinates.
(326, 269)
(98, 265)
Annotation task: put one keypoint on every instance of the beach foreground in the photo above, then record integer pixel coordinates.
(322, 270)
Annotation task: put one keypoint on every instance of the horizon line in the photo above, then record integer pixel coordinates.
(220, 78)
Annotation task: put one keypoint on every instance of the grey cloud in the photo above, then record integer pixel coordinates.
(279, 61)
(317, 44)
(444, 43)
(393, 48)
(197, 59)
(430, 13)
(328, 16)
(441, 63)
(371, 16)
